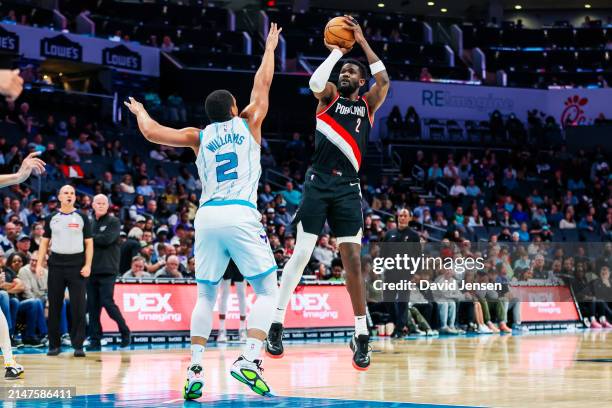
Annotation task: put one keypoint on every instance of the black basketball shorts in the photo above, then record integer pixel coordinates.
(334, 198)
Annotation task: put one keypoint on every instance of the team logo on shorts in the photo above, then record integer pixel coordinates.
(264, 237)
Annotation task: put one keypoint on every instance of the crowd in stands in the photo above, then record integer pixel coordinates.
(525, 196)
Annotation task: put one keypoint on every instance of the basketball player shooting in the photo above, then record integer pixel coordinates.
(227, 224)
(332, 187)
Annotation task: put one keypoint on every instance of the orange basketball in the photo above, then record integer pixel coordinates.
(336, 34)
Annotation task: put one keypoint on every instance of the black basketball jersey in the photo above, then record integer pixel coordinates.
(341, 136)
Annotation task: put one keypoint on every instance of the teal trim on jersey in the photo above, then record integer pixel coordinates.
(246, 124)
(250, 167)
(263, 274)
(208, 282)
(201, 135)
(218, 203)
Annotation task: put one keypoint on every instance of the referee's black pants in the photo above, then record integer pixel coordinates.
(65, 272)
(100, 292)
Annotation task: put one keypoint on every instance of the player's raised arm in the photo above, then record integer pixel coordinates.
(377, 94)
(257, 109)
(29, 164)
(319, 83)
(156, 133)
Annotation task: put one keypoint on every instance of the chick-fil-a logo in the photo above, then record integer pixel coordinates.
(573, 114)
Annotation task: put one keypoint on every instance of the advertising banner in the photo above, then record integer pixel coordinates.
(472, 102)
(40, 44)
(167, 307)
(546, 303)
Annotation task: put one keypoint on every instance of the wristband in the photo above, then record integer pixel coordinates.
(377, 67)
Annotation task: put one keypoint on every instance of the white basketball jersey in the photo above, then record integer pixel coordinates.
(229, 163)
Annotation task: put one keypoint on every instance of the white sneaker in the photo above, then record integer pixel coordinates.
(250, 374)
(243, 335)
(194, 383)
(432, 333)
(66, 341)
(482, 328)
(222, 336)
(13, 371)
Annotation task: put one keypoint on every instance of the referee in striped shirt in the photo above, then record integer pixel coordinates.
(68, 232)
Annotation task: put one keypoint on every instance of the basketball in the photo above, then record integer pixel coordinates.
(336, 34)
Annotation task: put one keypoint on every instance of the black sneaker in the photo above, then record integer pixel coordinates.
(16, 342)
(13, 371)
(274, 342)
(79, 352)
(360, 346)
(94, 346)
(53, 351)
(126, 339)
(33, 342)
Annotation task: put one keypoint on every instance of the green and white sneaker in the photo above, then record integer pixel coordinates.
(249, 373)
(194, 383)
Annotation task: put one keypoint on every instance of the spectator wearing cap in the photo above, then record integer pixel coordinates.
(279, 257)
(140, 221)
(282, 217)
(105, 266)
(52, 205)
(23, 244)
(129, 249)
(137, 269)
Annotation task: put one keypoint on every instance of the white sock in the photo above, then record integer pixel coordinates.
(5, 340)
(252, 349)
(361, 325)
(242, 323)
(221, 324)
(279, 315)
(293, 270)
(197, 351)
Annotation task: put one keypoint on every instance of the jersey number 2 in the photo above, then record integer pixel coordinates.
(223, 170)
(358, 124)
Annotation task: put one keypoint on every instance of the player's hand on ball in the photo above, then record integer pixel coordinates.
(273, 34)
(134, 106)
(11, 84)
(31, 164)
(354, 26)
(332, 47)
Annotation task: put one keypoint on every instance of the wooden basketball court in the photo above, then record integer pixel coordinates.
(533, 370)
